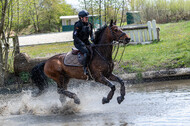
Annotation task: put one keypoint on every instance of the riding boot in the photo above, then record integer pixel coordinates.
(85, 70)
(85, 64)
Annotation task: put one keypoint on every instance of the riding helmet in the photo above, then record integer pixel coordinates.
(83, 13)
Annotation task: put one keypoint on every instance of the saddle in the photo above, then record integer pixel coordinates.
(75, 51)
(74, 58)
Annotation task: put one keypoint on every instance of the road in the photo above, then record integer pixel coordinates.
(45, 38)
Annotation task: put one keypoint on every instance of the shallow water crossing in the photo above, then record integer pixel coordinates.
(158, 103)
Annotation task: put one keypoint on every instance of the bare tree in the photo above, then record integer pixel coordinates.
(85, 5)
(4, 5)
(105, 11)
(18, 15)
(100, 10)
(123, 9)
(92, 11)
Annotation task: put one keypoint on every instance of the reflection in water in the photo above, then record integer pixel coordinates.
(160, 103)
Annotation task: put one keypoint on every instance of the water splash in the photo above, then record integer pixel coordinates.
(24, 103)
(49, 103)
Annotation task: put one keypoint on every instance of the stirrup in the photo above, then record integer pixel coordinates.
(88, 74)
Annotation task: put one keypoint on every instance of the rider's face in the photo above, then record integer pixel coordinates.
(85, 19)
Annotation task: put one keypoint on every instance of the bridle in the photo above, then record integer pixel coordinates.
(115, 41)
(115, 37)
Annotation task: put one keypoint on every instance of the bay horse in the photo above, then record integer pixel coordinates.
(101, 66)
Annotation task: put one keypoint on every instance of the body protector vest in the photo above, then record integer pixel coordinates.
(82, 32)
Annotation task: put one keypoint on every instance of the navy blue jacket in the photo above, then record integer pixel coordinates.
(82, 32)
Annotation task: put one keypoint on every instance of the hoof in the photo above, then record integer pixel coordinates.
(62, 98)
(77, 101)
(37, 93)
(120, 99)
(104, 100)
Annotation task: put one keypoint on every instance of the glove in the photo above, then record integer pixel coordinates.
(92, 39)
(92, 45)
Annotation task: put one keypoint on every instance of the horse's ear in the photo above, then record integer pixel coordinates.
(111, 23)
(115, 22)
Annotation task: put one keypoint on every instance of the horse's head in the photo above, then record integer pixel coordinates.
(118, 34)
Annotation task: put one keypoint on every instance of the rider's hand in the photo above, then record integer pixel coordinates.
(92, 44)
(92, 40)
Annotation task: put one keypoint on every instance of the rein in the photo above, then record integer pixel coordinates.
(113, 43)
(101, 55)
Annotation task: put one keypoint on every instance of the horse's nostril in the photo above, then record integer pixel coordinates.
(127, 39)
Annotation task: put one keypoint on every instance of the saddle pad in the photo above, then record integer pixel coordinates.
(71, 60)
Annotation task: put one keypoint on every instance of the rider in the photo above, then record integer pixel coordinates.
(82, 30)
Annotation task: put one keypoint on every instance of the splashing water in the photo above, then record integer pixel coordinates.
(49, 103)
(24, 103)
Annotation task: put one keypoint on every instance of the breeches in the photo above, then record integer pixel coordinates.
(82, 48)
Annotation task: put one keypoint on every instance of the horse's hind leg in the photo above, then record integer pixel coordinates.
(122, 89)
(105, 81)
(70, 95)
(62, 90)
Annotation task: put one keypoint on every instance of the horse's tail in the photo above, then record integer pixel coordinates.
(38, 77)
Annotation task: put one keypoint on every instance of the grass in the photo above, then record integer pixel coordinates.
(47, 50)
(173, 51)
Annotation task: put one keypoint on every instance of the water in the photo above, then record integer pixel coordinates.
(158, 103)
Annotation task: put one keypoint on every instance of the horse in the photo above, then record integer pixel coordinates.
(101, 66)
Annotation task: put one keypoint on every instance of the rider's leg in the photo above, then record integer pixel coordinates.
(86, 53)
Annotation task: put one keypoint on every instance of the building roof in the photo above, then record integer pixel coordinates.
(72, 17)
(69, 17)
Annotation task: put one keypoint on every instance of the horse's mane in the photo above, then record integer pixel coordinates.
(98, 34)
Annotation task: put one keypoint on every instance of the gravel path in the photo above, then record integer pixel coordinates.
(45, 38)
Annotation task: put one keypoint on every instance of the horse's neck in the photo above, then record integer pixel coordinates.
(106, 51)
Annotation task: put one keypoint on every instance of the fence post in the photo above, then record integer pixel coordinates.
(158, 34)
(136, 36)
(132, 36)
(154, 29)
(149, 30)
(16, 48)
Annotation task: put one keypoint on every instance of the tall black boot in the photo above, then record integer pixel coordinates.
(85, 64)
(85, 70)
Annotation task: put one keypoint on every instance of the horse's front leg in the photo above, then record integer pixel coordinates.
(122, 89)
(105, 81)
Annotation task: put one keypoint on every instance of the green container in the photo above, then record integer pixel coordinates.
(133, 17)
(95, 20)
(92, 19)
(67, 28)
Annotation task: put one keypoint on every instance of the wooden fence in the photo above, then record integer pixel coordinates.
(143, 34)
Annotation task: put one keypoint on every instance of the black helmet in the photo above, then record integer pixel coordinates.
(83, 13)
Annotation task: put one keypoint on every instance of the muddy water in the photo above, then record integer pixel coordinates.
(160, 103)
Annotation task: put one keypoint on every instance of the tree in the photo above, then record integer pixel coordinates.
(100, 10)
(85, 5)
(123, 9)
(3, 11)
